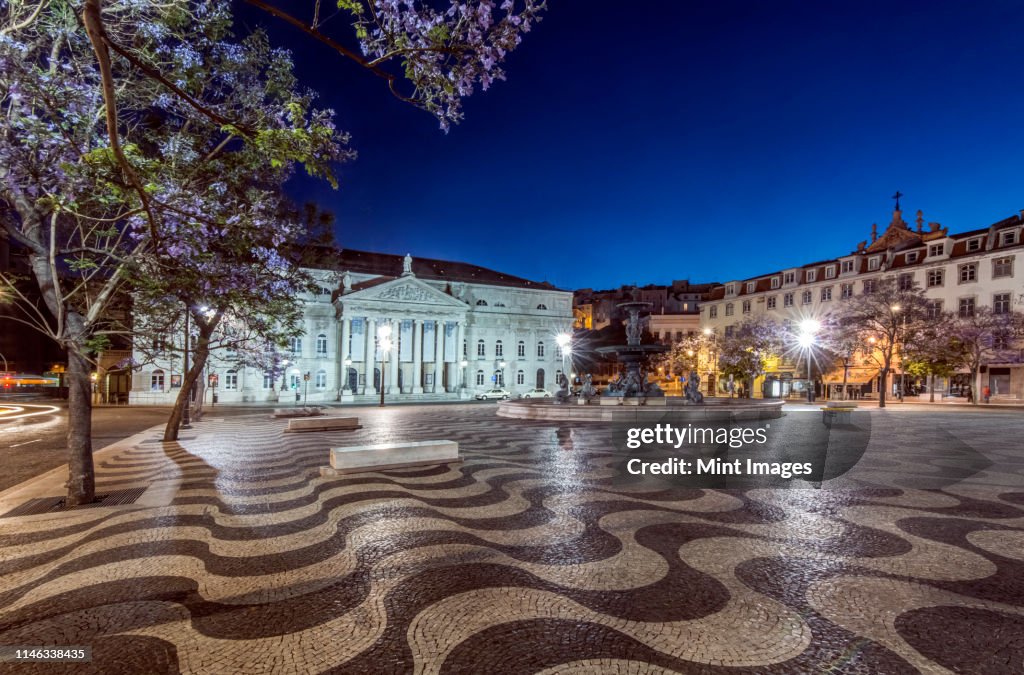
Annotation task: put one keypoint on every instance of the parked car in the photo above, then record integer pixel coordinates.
(537, 393)
(493, 394)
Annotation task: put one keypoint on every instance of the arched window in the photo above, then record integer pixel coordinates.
(268, 380)
(499, 350)
(156, 380)
(481, 348)
(540, 378)
(321, 345)
(521, 350)
(321, 379)
(481, 303)
(558, 378)
(231, 379)
(540, 350)
(520, 377)
(296, 345)
(542, 306)
(479, 378)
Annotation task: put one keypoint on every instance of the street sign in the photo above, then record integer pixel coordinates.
(213, 380)
(306, 376)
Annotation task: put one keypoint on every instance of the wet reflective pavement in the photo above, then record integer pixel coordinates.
(531, 556)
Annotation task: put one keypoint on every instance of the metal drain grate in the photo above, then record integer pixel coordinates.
(40, 505)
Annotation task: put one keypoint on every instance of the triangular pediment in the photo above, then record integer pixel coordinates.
(404, 291)
(895, 235)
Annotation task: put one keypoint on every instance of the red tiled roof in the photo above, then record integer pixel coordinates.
(390, 266)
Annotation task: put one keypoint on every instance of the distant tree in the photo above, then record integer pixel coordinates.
(744, 354)
(878, 320)
(932, 350)
(987, 336)
(683, 356)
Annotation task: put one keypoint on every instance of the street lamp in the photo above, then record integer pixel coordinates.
(564, 340)
(896, 310)
(344, 378)
(384, 340)
(499, 375)
(712, 361)
(807, 339)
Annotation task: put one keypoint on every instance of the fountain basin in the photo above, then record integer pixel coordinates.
(712, 409)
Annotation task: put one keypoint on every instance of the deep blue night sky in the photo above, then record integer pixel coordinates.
(642, 142)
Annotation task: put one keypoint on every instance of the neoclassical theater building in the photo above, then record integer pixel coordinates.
(456, 329)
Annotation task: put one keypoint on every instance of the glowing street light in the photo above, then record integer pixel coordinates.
(807, 339)
(564, 340)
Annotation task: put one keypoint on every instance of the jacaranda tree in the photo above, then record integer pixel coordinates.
(143, 146)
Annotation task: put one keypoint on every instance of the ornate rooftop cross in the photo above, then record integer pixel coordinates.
(897, 198)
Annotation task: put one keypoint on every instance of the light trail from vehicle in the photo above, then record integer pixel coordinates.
(26, 410)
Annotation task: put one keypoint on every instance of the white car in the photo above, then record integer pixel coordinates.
(493, 394)
(537, 393)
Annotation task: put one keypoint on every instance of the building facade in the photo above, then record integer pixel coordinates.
(594, 310)
(958, 272)
(456, 330)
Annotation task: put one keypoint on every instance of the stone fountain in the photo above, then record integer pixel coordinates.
(632, 381)
(631, 398)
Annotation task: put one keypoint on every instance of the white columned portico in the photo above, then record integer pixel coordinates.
(369, 353)
(396, 327)
(344, 353)
(417, 356)
(438, 356)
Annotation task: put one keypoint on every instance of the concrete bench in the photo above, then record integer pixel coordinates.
(837, 414)
(323, 423)
(358, 458)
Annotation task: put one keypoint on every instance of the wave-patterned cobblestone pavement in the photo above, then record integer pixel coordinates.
(528, 557)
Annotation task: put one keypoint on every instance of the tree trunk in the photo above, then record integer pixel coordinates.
(883, 385)
(191, 377)
(931, 387)
(846, 369)
(976, 394)
(81, 483)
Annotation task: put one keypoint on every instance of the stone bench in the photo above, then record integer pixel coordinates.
(323, 423)
(357, 458)
(837, 414)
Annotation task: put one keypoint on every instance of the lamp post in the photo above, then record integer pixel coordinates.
(284, 373)
(899, 345)
(564, 342)
(712, 360)
(384, 340)
(807, 338)
(344, 379)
